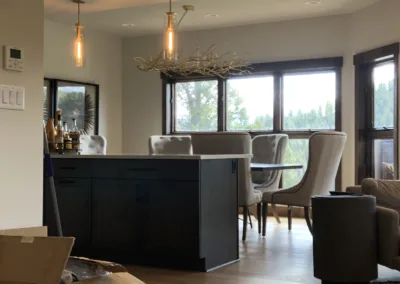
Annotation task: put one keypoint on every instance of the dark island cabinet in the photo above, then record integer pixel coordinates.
(74, 195)
(164, 213)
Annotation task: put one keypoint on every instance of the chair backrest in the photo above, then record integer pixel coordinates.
(269, 149)
(229, 143)
(325, 152)
(93, 145)
(170, 145)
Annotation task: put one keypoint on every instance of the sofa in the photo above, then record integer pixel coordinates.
(387, 193)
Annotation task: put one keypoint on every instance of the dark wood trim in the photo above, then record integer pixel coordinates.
(338, 121)
(222, 114)
(298, 65)
(396, 117)
(278, 99)
(365, 133)
(376, 55)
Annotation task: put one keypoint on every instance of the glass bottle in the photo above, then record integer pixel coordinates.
(59, 139)
(75, 135)
(65, 128)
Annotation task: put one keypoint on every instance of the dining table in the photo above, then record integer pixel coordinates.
(258, 167)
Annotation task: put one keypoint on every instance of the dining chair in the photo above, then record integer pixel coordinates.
(170, 144)
(233, 143)
(268, 149)
(93, 145)
(325, 152)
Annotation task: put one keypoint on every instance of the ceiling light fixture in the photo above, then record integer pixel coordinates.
(79, 50)
(208, 63)
(128, 25)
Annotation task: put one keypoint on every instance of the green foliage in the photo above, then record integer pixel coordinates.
(72, 105)
(384, 105)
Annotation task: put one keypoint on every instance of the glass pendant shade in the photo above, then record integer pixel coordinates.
(170, 46)
(79, 48)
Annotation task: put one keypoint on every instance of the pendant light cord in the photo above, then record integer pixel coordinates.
(79, 11)
(170, 6)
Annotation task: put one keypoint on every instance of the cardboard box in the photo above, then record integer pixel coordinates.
(29, 256)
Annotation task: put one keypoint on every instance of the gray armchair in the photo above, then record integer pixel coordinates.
(387, 193)
(233, 143)
(170, 145)
(269, 149)
(325, 153)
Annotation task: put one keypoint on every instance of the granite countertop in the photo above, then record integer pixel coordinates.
(154, 157)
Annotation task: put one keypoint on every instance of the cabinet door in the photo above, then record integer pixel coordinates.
(74, 202)
(169, 218)
(114, 218)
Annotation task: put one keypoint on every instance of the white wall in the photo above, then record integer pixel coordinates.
(103, 67)
(21, 143)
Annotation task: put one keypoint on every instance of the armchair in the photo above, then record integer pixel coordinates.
(387, 193)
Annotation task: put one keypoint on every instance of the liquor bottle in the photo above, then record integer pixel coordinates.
(65, 128)
(75, 135)
(59, 139)
(50, 132)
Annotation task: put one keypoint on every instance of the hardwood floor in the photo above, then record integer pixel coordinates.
(282, 257)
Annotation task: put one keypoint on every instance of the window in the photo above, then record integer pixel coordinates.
(297, 98)
(309, 101)
(383, 81)
(296, 153)
(250, 103)
(76, 100)
(196, 106)
(376, 145)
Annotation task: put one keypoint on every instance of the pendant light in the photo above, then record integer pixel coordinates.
(209, 63)
(170, 36)
(79, 48)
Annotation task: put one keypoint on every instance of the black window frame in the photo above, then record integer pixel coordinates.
(277, 70)
(365, 132)
(52, 100)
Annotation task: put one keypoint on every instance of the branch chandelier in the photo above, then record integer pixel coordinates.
(207, 63)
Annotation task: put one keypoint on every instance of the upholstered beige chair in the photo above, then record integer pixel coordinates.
(387, 193)
(93, 145)
(170, 145)
(269, 149)
(325, 153)
(233, 143)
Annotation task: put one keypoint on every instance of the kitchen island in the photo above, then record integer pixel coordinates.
(171, 211)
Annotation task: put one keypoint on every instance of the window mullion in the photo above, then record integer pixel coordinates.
(222, 104)
(278, 92)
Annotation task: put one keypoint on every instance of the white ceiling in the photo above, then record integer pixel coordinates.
(148, 15)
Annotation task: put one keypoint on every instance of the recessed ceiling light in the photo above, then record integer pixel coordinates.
(313, 2)
(128, 25)
(211, 16)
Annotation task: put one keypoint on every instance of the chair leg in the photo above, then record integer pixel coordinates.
(259, 217)
(275, 212)
(245, 215)
(251, 222)
(307, 217)
(264, 218)
(289, 215)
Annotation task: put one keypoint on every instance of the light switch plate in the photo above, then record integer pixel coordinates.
(12, 97)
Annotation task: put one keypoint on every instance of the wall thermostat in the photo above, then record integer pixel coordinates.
(13, 58)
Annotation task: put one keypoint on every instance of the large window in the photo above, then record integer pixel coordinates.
(297, 98)
(76, 100)
(376, 102)
(250, 103)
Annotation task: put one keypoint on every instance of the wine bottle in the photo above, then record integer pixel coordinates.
(59, 139)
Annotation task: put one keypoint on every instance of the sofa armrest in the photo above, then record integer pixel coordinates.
(388, 235)
(354, 189)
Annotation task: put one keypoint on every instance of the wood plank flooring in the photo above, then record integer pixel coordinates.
(282, 257)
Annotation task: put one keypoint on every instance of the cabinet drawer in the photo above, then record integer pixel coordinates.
(72, 167)
(147, 169)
